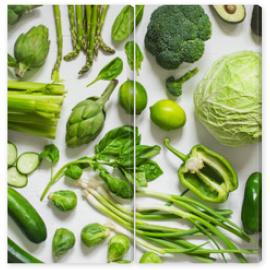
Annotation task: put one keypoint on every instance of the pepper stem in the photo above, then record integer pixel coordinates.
(182, 156)
(107, 92)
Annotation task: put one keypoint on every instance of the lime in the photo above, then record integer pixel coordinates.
(167, 114)
(126, 97)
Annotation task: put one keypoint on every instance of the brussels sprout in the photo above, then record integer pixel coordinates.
(118, 247)
(31, 49)
(150, 257)
(93, 234)
(63, 240)
(64, 200)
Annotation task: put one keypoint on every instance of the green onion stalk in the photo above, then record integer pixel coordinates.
(164, 240)
(34, 108)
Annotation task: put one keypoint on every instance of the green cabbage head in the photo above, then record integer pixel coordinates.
(228, 99)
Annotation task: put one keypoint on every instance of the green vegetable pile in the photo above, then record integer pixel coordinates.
(116, 149)
(120, 167)
(162, 240)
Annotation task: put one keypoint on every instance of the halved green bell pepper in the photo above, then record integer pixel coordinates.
(206, 173)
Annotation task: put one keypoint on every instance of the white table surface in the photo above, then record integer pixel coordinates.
(225, 39)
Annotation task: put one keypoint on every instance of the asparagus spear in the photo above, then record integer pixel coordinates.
(80, 34)
(87, 9)
(72, 24)
(100, 42)
(57, 18)
(91, 37)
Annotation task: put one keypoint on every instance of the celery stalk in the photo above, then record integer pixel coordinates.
(34, 108)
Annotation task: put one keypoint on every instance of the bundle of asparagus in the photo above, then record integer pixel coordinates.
(34, 108)
(86, 23)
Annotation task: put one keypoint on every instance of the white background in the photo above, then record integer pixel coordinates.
(266, 131)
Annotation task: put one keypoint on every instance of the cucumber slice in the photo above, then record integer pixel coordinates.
(27, 162)
(16, 179)
(12, 154)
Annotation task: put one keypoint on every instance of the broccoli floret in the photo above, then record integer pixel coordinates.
(174, 86)
(176, 34)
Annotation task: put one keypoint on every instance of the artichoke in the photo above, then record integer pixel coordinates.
(15, 12)
(87, 118)
(31, 49)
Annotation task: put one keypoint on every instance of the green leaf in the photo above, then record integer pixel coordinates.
(111, 146)
(141, 180)
(11, 61)
(130, 47)
(74, 172)
(151, 170)
(123, 24)
(143, 153)
(110, 71)
(139, 10)
(140, 177)
(51, 153)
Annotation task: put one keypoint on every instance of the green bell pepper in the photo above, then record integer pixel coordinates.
(251, 214)
(206, 173)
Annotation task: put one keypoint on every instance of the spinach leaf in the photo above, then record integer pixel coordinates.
(111, 146)
(51, 153)
(140, 177)
(130, 47)
(151, 170)
(123, 24)
(139, 9)
(110, 71)
(143, 153)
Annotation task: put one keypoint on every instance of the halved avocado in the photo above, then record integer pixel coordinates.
(231, 13)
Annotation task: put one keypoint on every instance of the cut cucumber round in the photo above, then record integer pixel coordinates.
(28, 162)
(12, 154)
(16, 179)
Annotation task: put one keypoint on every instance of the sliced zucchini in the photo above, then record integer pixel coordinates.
(231, 13)
(27, 162)
(12, 154)
(16, 179)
